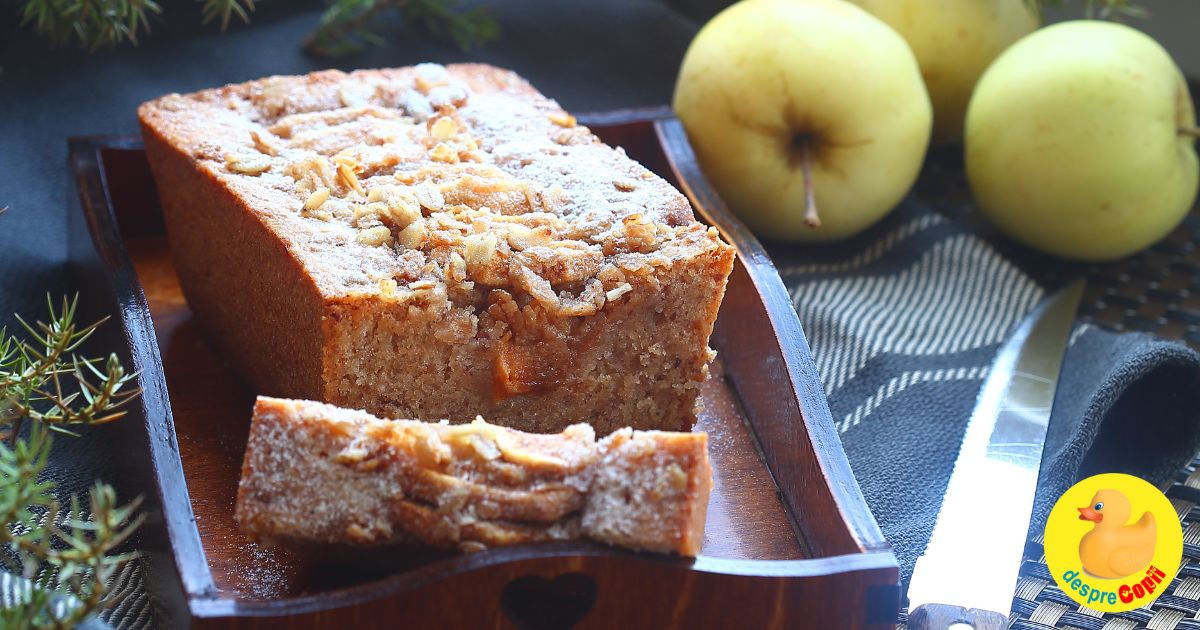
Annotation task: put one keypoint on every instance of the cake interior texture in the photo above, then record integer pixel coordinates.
(435, 242)
(318, 473)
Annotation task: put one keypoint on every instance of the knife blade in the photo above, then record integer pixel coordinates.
(968, 572)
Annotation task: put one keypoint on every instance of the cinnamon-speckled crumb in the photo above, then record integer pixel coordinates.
(315, 472)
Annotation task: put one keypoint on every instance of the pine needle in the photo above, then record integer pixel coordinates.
(347, 26)
(225, 9)
(68, 556)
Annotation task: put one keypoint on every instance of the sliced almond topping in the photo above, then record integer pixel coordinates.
(375, 236)
(367, 214)
(262, 145)
(521, 237)
(491, 442)
(569, 136)
(640, 233)
(443, 153)
(456, 269)
(484, 447)
(517, 235)
(616, 293)
(554, 198)
(358, 533)
(525, 457)
(349, 177)
(429, 196)
(562, 119)
(443, 128)
(624, 185)
(399, 205)
(255, 165)
(413, 236)
(316, 199)
(448, 97)
(423, 84)
(471, 156)
(387, 287)
(311, 173)
(480, 249)
(422, 285)
(431, 75)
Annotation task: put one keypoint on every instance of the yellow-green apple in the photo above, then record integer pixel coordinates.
(1080, 141)
(954, 42)
(809, 116)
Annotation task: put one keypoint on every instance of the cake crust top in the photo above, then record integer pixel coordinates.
(457, 179)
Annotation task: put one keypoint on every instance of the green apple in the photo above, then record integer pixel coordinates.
(1080, 141)
(954, 42)
(809, 116)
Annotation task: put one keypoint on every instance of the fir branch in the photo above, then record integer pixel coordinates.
(68, 556)
(225, 9)
(347, 25)
(465, 29)
(42, 379)
(91, 24)
(60, 552)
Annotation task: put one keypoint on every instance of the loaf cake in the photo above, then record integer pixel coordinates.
(435, 242)
(318, 473)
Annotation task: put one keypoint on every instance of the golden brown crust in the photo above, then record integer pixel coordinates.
(273, 291)
(314, 472)
(435, 243)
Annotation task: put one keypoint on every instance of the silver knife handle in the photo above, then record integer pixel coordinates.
(945, 617)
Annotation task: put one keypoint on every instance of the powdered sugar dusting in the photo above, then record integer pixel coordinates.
(505, 157)
(320, 473)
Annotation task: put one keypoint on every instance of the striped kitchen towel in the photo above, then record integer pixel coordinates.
(904, 322)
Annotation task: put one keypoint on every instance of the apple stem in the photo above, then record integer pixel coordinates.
(1190, 131)
(811, 218)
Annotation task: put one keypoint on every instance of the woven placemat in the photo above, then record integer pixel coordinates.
(1157, 292)
(1040, 604)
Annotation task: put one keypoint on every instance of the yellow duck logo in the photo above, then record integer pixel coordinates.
(1114, 550)
(1121, 550)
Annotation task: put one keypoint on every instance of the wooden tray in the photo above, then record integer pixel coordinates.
(789, 541)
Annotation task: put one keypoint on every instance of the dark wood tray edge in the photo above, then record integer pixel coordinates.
(871, 564)
(108, 282)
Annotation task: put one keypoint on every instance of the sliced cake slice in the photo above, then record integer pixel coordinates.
(320, 473)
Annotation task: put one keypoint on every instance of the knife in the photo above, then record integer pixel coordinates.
(967, 575)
